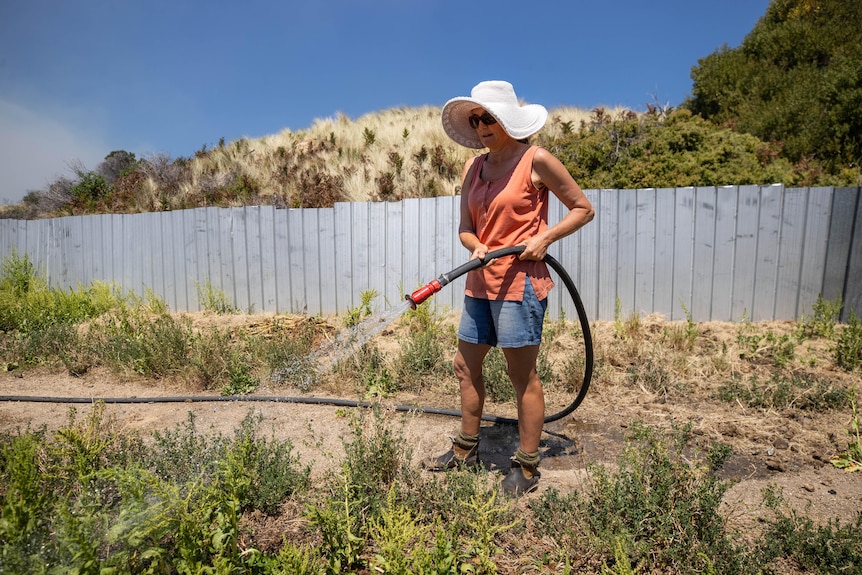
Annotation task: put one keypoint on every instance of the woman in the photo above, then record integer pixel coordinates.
(504, 202)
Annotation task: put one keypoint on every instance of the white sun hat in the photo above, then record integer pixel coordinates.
(499, 99)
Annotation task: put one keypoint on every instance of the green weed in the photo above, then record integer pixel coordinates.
(851, 460)
(782, 391)
(822, 321)
(662, 507)
(766, 347)
(357, 314)
(213, 299)
(848, 346)
(829, 548)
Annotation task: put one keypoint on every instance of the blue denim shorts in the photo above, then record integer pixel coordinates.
(508, 324)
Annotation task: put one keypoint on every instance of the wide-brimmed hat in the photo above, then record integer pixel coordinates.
(499, 99)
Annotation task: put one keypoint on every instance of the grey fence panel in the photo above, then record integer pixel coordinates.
(281, 259)
(720, 253)
(326, 252)
(626, 255)
(838, 280)
(663, 297)
(644, 250)
(449, 253)
(394, 265)
(607, 221)
(427, 242)
(745, 252)
(55, 266)
(766, 262)
(791, 250)
(308, 271)
(853, 285)
(704, 253)
(412, 273)
(725, 240)
(297, 254)
(815, 253)
(683, 246)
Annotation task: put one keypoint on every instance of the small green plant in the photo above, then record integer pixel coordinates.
(663, 504)
(357, 314)
(783, 391)
(240, 379)
(851, 460)
(829, 548)
(622, 565)
(848, 345)
(488, 519)
(338, 521)
(823, 319)
(213, 299)
(399, 537)
(421, 355)
(682, 337)
(143, 340)
(769, 346)
(626, 329)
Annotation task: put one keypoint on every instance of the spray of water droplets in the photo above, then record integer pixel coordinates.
(304, 371)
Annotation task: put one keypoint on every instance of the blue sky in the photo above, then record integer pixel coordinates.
(81, 78)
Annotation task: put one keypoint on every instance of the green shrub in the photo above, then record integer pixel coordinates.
(769, 346)
(782, 391)
(662, 507)
(142, 340)
(848, 345)
(213, 299)
(829, 548)
(824, 316)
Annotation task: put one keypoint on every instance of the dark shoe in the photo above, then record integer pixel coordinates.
(520, 479)
(456, 457)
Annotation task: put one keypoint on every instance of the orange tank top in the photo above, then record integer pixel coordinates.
(506, 212)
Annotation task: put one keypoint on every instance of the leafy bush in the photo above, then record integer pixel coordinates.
(661, 507)
(629, 152)
(794, 81)
(848, 347)
(784, 391)
(829, 548)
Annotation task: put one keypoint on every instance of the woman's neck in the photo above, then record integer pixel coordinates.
(506, 152)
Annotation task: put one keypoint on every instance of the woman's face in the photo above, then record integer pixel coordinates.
(489, 133)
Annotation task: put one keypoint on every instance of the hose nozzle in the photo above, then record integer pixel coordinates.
(423, 293)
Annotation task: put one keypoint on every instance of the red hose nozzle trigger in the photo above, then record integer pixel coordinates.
(423, 293)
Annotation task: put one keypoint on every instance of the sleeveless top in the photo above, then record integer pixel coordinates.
(506, 212)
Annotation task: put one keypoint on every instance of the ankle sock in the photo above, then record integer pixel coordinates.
(465, 441)
(530, 460)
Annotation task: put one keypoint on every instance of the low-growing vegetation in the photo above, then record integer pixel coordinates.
(94, 497)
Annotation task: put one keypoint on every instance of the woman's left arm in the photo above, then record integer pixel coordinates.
(550, 173)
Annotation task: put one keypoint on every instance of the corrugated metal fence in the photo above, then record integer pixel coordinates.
(761, 252)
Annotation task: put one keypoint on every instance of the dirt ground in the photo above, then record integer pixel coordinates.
(789, 449)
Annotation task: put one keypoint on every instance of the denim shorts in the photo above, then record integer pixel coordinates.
(508, 324)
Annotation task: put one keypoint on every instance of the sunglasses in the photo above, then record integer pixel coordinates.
(485, 118)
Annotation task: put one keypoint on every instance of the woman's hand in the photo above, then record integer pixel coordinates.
(535, 249)
(479, 252)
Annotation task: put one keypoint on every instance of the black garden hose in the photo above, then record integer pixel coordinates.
(420, 295)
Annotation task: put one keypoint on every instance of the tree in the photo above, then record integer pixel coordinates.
(796, 80)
